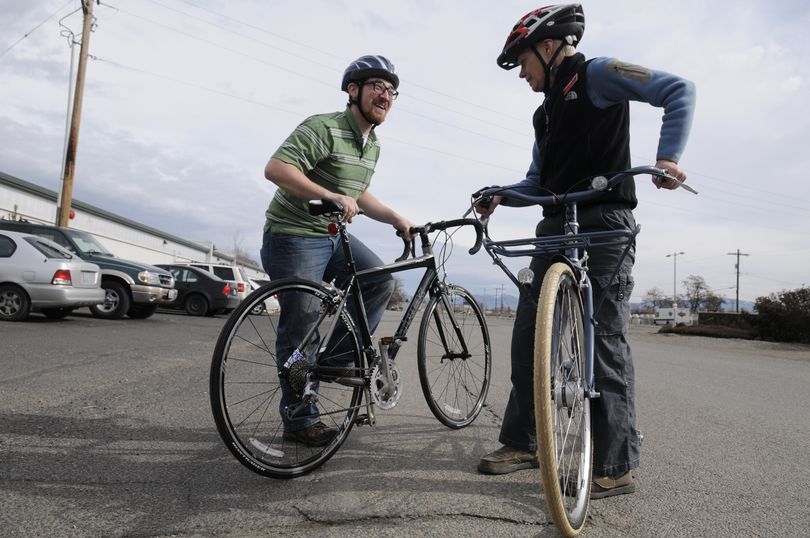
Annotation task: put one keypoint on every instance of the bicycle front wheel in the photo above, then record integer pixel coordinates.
(250, 400)
(454, 357)
(562, 408)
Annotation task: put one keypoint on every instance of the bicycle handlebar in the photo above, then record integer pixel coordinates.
(599, 184)
(327, 207)
(438, 227)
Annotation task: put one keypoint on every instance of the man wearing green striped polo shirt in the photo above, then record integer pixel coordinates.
(328, 156)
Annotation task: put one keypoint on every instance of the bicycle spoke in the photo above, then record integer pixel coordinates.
(454, 359)
(251, 400)
(562, 412)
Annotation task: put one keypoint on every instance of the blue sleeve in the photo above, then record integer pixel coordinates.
(530, 185)
(611, 81)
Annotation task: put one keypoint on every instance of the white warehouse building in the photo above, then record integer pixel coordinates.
(21, 200)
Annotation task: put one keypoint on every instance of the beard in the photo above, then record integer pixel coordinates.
(372, 112)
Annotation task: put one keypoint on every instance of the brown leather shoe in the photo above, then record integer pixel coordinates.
(318, 434)
(507, 460)
(608, 487)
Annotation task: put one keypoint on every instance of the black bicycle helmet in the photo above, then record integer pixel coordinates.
(369, 66)
(563, 21)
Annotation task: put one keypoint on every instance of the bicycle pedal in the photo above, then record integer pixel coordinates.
(362, 420)
(389, 340)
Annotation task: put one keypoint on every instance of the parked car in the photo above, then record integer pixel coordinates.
(270, 305)
(38, 275)
(232, 274)
(131, 288)
(199, 292)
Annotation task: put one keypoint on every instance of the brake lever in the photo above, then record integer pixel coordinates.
(668, 177)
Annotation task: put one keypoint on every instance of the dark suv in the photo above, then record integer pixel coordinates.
(132, 288)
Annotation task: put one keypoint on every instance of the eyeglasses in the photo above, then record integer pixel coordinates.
(381, 88)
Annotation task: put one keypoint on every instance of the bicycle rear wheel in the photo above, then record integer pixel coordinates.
(562, 410)
(454, 357)
(248, 396)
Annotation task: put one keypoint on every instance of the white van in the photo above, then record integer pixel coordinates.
(672, 316)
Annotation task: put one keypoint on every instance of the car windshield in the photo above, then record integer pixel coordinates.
(88, 244)
(49, 249)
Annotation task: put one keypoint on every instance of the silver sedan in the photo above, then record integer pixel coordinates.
(36, 274)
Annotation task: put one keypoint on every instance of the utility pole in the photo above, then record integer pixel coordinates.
(674, 257)
(66, 196)
(737, 267)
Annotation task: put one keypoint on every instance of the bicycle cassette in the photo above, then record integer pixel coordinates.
(386, 396)
(297, 375)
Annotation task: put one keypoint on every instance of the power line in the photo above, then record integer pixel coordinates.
(738, 186)
(298, 43)
(404, 142)
(405, 110)
(192, 85)
(408, 96)
(35, 28)
(327, 53)
(332, 68)
(281, 109)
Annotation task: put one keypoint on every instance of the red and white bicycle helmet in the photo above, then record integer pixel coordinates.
(370, 66)
(563, 21)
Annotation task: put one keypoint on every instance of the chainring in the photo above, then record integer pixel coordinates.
(382, 400)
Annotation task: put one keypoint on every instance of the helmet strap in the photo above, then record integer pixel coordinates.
(547, 67)
(360, 85)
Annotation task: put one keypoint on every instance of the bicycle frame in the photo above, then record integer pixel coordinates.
(568, 247)
(428, 284)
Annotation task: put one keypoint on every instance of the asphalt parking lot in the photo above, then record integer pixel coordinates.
(106, 430)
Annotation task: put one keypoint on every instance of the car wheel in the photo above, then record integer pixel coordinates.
(257, 310)
(14, 303)
(116, 301)
(142, 311)
(196, 305)
(56, 313)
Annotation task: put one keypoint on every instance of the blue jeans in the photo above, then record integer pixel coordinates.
(613, 414)
(317, 259)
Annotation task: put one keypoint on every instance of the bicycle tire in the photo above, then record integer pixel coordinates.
(562, 410)
(246, 390)
(454, 367)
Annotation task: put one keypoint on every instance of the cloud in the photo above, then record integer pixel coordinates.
(188, 100)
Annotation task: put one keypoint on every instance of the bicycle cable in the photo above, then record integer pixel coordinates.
(445, 251)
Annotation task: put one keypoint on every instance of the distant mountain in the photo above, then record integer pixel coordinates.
(729, 305)
(492, 302)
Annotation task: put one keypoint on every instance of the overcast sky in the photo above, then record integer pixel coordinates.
(186, 100)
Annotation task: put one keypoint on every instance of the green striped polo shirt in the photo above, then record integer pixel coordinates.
(328, 149)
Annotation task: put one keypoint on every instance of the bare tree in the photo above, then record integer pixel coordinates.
(696, 291)
(713, 303)
(240, 255)
(399, 296)
(656, 298)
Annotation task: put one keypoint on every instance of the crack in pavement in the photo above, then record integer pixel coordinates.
(402, 517)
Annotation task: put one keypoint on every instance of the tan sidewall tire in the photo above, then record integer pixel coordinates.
(543, 402)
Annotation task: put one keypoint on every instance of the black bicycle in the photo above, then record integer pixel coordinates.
(329, 360)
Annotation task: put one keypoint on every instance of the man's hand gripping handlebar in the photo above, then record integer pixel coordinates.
(423, 231)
